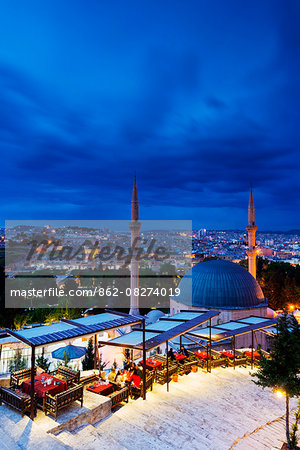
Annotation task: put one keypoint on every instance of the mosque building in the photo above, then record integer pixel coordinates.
(224, 285)
(215, 284)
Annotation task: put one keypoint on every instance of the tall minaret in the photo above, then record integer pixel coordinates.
(251, 229)
(134, 227)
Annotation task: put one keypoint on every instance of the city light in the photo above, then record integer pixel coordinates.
(279, 393)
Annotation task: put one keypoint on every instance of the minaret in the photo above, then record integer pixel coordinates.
(134, 227)
(251, 229)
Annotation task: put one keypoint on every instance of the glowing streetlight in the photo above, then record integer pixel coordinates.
(279, 393)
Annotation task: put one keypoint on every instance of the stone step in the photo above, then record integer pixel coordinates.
(20, 432)
(88, 438)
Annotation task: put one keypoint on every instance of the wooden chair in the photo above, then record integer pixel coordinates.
(120, 396)
(89, 379)
(186, 368)
(66, 374)
(161, 375)
(220, 362)
(17, 378)
(137, 391)
(239, 362)
(54, 403)
(192, 357)
(18, 401)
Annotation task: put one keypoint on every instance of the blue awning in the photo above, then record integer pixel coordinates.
(72, 351)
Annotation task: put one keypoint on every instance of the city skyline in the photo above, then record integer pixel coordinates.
(198, 100)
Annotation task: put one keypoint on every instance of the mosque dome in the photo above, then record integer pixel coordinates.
(153, 316)
(220, 284)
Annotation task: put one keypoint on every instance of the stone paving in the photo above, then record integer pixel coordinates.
(201, 411)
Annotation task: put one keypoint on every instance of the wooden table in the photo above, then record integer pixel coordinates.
(201, 354)
(41, 387)
(256, 355)
(228, 354)
(101, 388)
(152, 364)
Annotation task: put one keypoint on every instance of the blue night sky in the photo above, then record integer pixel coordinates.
(200, 98)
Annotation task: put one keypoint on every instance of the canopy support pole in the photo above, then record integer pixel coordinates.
(95, 352)
(167, 348)
(144, 362)
(252, 345)
(98, 356)
(233, 352)
(32, 396)
(207, 362)
(210, 345)
(180, 341)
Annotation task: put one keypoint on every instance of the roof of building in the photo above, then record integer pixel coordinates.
(220, 284)
(67, 329)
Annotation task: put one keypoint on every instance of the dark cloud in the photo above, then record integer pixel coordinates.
(199, 112)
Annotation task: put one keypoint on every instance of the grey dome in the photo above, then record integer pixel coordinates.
(220, 284)
(153, 316)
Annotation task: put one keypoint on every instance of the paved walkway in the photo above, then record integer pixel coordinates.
(17, 432)
(268, 436)
(201, 411)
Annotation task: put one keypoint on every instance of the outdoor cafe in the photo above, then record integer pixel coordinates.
(189, 333)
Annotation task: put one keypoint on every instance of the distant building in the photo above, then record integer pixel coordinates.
(263, 251)
(201, 233)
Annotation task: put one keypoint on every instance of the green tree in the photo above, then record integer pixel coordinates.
(88, 360)
(43, 362)
(20, 320)
(102, 363)
(66, 358)
(282, 370)
(18, 362)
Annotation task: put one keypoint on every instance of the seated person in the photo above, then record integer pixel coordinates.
(119, 379)
(139, 371)
(171, 354)
(126, 364)
(112, 375)
(132, 368)
(183, 351)
(136, 379)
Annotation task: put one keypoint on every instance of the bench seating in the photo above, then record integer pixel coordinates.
(192, 357)
(161, 375)
(239, 362)
(66, 374)
(89, 379)
(220, 362)
(186, 368)
(159, 357)
(54, 403)
(137, 392)
(120, 396)
(21, 402)
(17, 378)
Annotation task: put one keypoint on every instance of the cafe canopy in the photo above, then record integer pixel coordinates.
(230, 329)
(69, 329)
(184, 325)
(166, 329)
